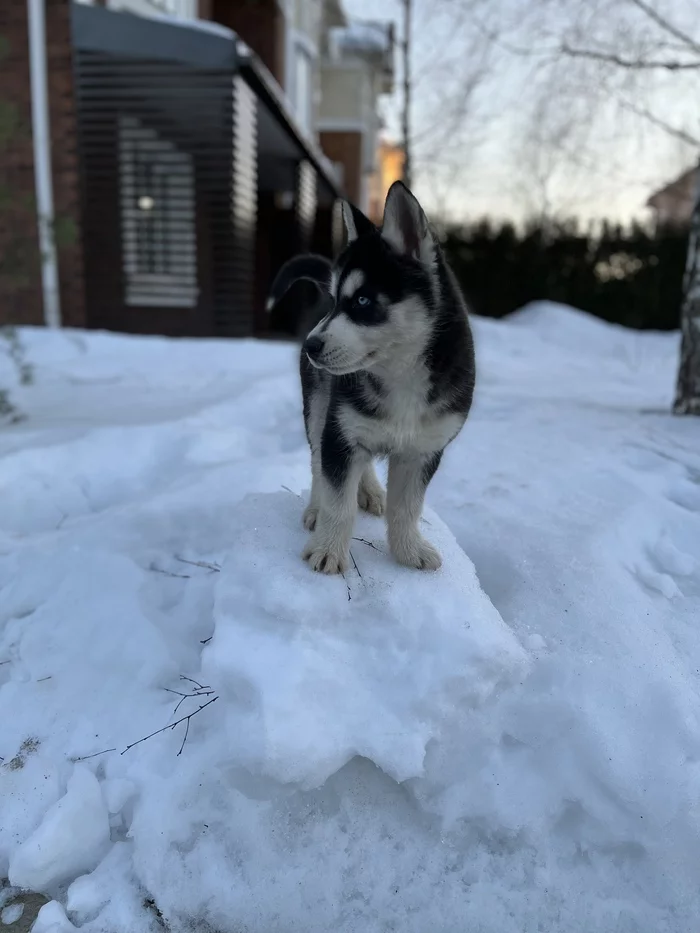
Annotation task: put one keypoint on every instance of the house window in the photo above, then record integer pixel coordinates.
(158, 219)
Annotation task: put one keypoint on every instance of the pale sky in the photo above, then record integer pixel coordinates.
(524, 143)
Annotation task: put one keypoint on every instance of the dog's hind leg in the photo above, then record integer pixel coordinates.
(370, 494)
(408, 479)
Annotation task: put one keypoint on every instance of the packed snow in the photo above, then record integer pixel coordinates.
(508, 745)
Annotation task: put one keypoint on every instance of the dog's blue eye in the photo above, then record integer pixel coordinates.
(362, 301)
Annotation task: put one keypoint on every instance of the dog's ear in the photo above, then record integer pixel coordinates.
(405, 225)
(356, 223)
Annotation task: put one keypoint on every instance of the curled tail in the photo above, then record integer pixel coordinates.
(305, 306)
(310, 268)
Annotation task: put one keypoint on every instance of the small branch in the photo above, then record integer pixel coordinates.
(631, 64)
(184, 739)
(355, 564)
(42, 679)
(212, 568)
(347, 586)
(198, 686)
(292, 491)
(203, 692)
(87, 757)
(660, 123)
(369, 544)
(169, 573)
(171, 726)
(666, 25)
(205, 641)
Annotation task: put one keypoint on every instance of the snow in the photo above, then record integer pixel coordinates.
(511, 744)
(11, 914)
(363, 36)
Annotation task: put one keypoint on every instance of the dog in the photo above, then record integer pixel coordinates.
(387, 371)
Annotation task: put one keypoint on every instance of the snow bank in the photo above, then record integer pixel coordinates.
(316, 670)
(395, 760)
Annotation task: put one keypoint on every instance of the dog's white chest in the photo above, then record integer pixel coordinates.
(405, 423)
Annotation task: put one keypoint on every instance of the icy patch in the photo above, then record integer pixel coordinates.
(316, 670)
(11, 914)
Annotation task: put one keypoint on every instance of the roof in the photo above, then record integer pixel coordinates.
(676, 189)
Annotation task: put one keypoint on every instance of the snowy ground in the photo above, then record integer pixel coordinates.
(506, 751)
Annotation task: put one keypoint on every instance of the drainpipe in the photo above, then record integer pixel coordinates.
(36, 16)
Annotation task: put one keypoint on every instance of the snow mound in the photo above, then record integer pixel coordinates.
(316, 670)
(578, 332)
(72, 838)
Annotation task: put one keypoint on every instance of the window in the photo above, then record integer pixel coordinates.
(158, 219)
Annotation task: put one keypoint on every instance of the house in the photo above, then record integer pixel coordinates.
(160, 159)
(672, 205)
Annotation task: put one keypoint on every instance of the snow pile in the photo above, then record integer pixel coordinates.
(316, 672)
(507, 750)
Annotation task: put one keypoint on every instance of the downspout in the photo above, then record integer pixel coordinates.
(41, 135)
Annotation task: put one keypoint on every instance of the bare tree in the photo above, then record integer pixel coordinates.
(445, 54)
(633, 51)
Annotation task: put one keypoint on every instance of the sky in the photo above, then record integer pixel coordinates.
(530, 140)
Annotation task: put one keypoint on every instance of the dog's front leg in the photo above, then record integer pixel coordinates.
(342, 465)
(409, 476)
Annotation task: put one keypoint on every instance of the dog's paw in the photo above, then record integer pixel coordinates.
(371, 499)
(418, 553)
(324, 558)
(310, 516)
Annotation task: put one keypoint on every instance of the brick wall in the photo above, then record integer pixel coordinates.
(259, 23)
(20, 268)
(20, 284)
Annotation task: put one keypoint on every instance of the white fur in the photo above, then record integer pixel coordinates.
(353, 281)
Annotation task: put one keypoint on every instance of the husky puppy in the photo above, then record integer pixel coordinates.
(388, 371)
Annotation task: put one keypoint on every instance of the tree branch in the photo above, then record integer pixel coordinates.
(675, 131)
(666, 25)
(631, 64)
(172, 726)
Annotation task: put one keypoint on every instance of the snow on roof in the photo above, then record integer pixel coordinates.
(363, 37)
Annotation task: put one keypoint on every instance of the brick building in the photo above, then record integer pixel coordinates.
(185, 150)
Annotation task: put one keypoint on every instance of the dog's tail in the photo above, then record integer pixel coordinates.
(310, 268)
(306, 305)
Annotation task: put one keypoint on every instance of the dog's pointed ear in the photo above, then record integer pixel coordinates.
(405, 225)
(356, 223)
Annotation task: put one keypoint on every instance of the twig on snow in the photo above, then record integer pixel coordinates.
(197, 685)
(369, 544)
(172, 725)
(292, 491)
(205, 565)
(205, 641)
(204, 692)
(94, 755)
(355, 564)
(169, 573)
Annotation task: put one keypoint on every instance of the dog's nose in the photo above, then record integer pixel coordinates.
(313, 346)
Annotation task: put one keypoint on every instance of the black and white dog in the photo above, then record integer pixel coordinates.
(387, 372)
